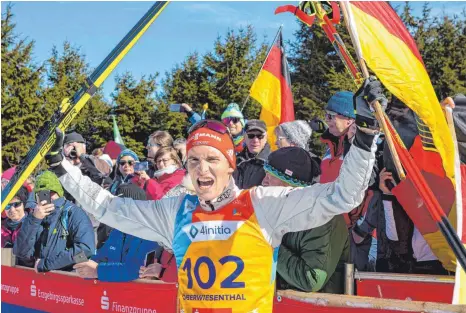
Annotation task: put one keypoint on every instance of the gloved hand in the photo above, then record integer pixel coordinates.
(55, 155)
(370, 91)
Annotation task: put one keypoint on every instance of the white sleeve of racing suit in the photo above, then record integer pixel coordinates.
(280, 210)
(150, 220)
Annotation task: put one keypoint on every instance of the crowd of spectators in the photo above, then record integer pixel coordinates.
(48, 229)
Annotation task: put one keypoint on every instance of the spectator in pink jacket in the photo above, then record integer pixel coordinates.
(167, 177)
(15, 213)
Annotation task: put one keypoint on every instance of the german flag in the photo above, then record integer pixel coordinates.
(391, 52)
(272, 89)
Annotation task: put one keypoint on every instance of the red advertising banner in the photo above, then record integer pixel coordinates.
(54, 292)
(429, 288)
(61, 293)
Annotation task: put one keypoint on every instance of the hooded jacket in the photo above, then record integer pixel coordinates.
(250, 168)
(121, 257)
(46, 240)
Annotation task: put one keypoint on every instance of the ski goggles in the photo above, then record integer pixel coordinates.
(13, 204)
(234, 120)
(216, 126)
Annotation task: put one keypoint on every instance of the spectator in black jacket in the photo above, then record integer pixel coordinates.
(250, 162)
(74, 148)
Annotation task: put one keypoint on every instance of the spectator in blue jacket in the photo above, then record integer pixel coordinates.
(122, 255)
(55, 232)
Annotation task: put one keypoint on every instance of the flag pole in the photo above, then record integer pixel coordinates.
(263, 63)
(379, 114)
(448, 104)
(420, 184)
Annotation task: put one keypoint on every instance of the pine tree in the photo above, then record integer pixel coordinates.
(439, 42)
(66, 73)
(186, 83)
(220, 77)
(317, 73)
(134, 105)
(231, 69)
(21, 94)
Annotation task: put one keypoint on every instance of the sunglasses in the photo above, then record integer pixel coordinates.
(330, 115)
(259, 136)
(227, 120)
(130, 163)
(216, 126)
(14, 204)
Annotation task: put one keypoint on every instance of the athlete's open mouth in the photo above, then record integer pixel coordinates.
(205, 183)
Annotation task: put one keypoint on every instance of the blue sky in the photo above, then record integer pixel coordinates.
(184, 27)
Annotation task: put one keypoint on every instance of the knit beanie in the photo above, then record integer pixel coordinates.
(48, 181)
(292, 165)
(22, 194)
(205, 136)
(113, 149)
(107, 159)
(233, 110)
(73, 137)
(297, 132)
(342, 103)
(128, 152)
(131, 191)
(8, 174)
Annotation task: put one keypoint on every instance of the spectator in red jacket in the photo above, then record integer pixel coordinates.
(15, 213)
(168, 176)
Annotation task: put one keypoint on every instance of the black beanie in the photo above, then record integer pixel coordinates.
(22, 194)
(73, 137)
(131, 191)
(293, 165)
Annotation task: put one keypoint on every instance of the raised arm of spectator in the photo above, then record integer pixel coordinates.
(81, 235)
(193, 117)
(27, 237)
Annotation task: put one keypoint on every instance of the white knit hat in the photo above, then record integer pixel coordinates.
(297, 132)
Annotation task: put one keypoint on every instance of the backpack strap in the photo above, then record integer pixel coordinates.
(64, 219)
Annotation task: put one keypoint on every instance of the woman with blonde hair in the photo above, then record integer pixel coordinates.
(168, 175)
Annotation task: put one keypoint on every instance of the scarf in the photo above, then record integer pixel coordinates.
(238, 139)
(168, 170)
(12, 225)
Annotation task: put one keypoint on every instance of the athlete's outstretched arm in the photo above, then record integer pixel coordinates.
(150, 220)
(286, 209)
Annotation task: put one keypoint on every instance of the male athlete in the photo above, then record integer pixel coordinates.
(226, 240)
